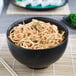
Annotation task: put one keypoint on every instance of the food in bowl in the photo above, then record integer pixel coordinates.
(42, 3)
(36, 34)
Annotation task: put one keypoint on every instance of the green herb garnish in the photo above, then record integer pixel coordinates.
(72, 19)
(35, 26)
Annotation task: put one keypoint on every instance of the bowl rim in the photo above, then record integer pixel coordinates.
(25, 19)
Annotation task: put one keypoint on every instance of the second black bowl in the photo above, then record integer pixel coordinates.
(38, 58)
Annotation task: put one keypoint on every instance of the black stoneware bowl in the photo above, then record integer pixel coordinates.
(38, 59)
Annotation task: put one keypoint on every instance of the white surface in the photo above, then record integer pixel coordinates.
(38, 2)
(1, 5)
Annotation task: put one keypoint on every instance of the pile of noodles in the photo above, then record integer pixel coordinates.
(36, 35)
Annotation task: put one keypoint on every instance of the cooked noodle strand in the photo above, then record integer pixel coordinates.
(36, 35)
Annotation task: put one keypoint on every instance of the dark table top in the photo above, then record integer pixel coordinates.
(6, 20)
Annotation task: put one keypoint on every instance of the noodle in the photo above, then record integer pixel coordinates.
(36, 35)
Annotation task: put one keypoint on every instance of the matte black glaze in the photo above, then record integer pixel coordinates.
(38, 9)
(38, 58)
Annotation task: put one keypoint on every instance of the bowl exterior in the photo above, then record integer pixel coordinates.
(39, 58)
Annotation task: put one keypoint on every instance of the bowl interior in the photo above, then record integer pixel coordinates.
(60, 25)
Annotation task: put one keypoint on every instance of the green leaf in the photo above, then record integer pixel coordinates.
(72, 19)
(35, 26)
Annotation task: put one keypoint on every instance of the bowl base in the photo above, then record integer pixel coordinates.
(37, 68)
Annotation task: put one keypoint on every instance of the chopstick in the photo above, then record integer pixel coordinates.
(10, 70)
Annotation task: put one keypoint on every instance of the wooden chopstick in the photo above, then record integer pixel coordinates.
(10, 70)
